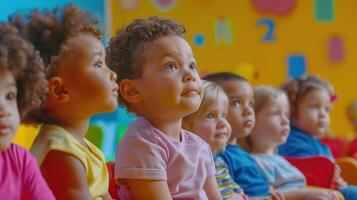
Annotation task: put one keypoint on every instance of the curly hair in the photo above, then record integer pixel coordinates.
(49, 30)
(297, 89)
(19, 57)
(126, 47)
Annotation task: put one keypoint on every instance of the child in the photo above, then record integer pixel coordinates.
(310, 104)
(80, 86)
(159, 82)
(272, 129)
(210, 123)
(22, 89)
(242, 167)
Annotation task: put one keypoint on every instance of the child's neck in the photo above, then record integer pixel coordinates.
(172, 128)
(263, 149)
(75, 125)
(233, 141)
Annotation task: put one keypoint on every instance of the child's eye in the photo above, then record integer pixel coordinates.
(11, 96)
(209, 116)
(328, 109)
(251, 104)
(99, 64)
(171, 67)
(193, 66)
(236, 103)
(224, 115)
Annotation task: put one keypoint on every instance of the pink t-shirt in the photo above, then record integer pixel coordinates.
(20, 177)
(147, 153)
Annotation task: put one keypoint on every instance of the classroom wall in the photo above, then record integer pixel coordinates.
(266, 41)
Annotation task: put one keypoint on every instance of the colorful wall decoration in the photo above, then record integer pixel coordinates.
(268, 41)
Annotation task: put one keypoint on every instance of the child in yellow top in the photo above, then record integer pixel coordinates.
(80, 86)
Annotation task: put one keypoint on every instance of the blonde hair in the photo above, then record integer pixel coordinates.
(211, 95)
(263, 95)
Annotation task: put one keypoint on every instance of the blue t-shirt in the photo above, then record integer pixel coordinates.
(300, 144)
(279, 172)
(245, 171)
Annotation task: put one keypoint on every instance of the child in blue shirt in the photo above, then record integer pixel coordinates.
(310, 105)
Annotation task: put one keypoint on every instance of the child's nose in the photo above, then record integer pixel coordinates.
(188, 76)
(113, 76)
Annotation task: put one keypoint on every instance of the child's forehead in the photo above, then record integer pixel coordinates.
(6, 78)
(235, 87)
(166, 46)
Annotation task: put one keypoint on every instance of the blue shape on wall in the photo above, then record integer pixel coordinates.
(269, 34)
(199, 39)
(296, 66)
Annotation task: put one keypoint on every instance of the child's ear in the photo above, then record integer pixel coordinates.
(129, 91)
(56, 90)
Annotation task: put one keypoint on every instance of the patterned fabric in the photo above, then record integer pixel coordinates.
(227, 186)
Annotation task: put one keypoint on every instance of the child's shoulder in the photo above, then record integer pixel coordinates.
(51, 134)
(17, 156)
(140, 127)
(191, 137)
(17, 151)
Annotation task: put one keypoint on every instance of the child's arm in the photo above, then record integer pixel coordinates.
(66, 176)
(211, 189)
(310, 194)
(107, 197)
(149, 189)
(337, 180)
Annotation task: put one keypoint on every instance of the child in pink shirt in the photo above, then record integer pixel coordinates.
(159, 82)
(22, 88)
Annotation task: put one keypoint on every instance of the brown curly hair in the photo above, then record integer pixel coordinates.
(126, 47)
(49, 30)
(297, 89)
(19, 57)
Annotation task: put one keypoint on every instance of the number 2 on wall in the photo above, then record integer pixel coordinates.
(270, 24)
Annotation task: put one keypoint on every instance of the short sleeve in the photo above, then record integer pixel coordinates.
(211, 167)
(140, 157)
(35, 187)
(266, 168)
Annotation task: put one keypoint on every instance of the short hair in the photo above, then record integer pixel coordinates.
(19, 57)
(264, 94)
(127, 46)
(224, 76)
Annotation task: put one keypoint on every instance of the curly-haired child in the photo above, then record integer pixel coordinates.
(23, 87)
(159, 82)
(80, 86)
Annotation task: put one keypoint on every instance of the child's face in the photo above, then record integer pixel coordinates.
(169, 85)
(272, 125)
(9, 114)
(212, 125)
(312, 114)
(241, 107)
(89, 83)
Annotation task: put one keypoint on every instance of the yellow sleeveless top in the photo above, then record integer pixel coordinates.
(53, 137)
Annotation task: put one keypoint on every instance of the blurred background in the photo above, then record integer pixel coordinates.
(266, 41)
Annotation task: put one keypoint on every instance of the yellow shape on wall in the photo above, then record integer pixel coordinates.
(25, 135)
(247, 70)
